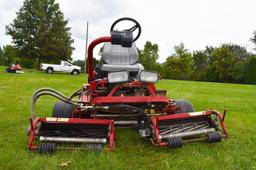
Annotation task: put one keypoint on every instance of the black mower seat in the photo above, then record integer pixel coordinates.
(118, 58)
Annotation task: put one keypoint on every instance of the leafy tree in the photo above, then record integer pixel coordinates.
(240, 53)
(179, 65)
(79, 63)
(40, 31)
(159, 69)
(95, 61)
(200, 65)
(226, 63)
(171, 68)
(240, 56)
(12, 55)
(223, 64)
(9, 55)
(250, 71)
(253, 39)
(186, 61)
(149, 55)
(221, 69)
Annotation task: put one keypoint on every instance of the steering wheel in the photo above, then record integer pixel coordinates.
(132, 29)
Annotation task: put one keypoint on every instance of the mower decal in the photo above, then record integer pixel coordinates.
(56, 119)
(196, 113)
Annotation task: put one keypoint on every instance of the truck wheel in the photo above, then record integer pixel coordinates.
(63, 110)
(49, 70)
(184, 106)
(75, 72)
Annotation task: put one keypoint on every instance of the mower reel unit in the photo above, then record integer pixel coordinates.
(119, 93)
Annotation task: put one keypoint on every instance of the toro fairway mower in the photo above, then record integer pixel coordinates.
(120, 93)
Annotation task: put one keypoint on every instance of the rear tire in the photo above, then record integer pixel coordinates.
(75, 72)
(184, 106)
(62, 110)
(49, 70)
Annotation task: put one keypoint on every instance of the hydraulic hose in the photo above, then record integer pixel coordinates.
(49, 92)
(76, 93)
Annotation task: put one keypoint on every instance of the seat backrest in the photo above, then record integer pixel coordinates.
(118, 55)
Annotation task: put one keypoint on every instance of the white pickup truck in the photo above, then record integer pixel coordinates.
(64, 66)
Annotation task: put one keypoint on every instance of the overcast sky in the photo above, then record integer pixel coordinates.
(196, 23)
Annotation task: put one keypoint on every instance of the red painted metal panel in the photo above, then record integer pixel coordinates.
(130, 99)
(78, 120)
(181, 116)
(90, 54)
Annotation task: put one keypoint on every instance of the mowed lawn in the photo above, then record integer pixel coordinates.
(132, 152)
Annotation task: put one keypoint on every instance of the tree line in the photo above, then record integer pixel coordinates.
(41, 34)
(228, 63)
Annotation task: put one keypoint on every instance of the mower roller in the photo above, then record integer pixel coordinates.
(119, 93)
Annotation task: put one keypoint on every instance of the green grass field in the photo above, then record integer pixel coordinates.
(132, 152)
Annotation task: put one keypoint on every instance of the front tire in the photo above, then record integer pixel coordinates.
(49, 70)
(75, 72)
(63, 110)
(184, 106)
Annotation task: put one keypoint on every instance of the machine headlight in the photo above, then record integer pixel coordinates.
(118, 77)
(147, 76)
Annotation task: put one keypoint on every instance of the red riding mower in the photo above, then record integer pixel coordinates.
(120, 93)
(14, 68)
